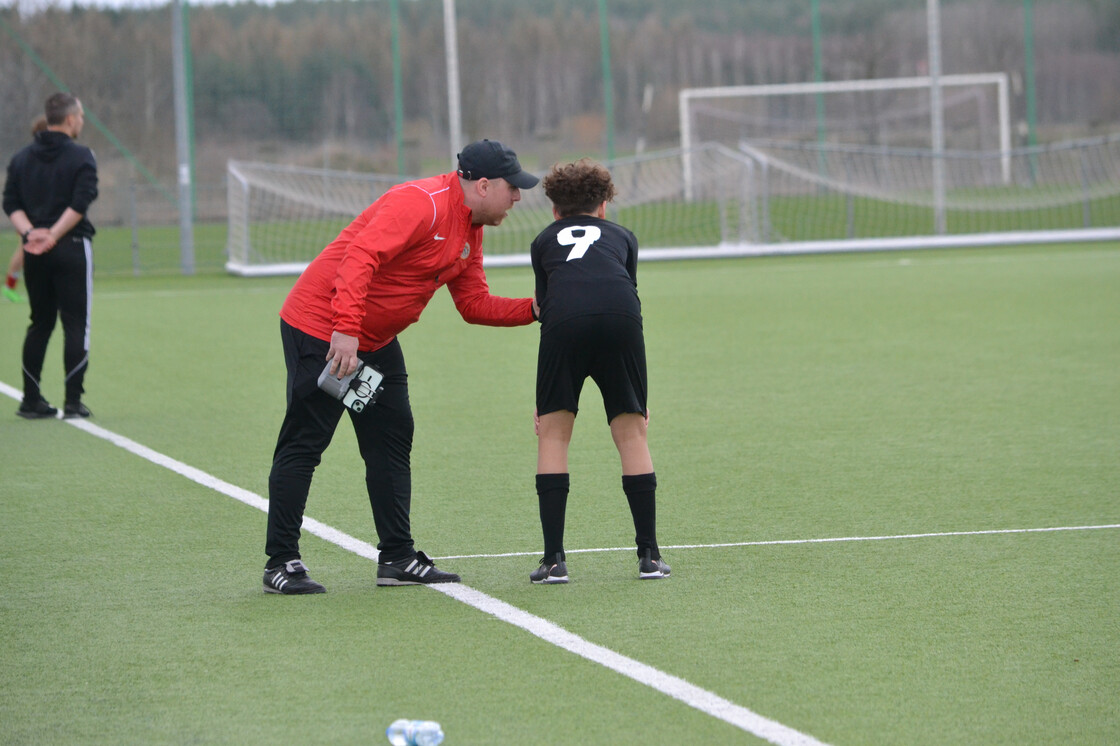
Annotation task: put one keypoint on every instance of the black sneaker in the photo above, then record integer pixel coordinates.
(290, 579)
(418, 570)
(552, 570)
(77, 409)
(37, 410)
(650, 567)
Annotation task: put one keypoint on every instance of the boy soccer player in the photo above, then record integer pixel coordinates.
(591, 326)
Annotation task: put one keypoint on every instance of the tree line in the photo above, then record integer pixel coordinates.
(285, 81)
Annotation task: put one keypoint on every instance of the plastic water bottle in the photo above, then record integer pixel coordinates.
(405, 732)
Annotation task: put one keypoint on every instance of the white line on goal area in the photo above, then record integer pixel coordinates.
(677, 688)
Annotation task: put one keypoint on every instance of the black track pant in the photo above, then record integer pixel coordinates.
(384, 432)
(59, 286)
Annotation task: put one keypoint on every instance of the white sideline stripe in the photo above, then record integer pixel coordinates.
(251, 499)
(827, 540)
(677, 688)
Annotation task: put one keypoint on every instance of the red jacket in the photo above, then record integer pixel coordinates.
(373, 281)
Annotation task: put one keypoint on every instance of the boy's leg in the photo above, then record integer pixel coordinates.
(629, 434)
(553, 437)
(552, 477)
(14, 267)
(638, 479)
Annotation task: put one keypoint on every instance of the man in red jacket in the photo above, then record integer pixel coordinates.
(349, 305)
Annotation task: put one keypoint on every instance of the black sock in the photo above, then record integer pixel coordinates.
(641, 490)
(552, 495)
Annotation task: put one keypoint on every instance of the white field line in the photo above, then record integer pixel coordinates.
(677, 688)
(827, 540)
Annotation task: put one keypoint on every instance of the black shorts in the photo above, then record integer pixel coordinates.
(610, 348)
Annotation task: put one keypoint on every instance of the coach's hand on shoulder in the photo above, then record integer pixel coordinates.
(343, 354)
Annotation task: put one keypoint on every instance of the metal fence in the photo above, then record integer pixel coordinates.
(763, 198)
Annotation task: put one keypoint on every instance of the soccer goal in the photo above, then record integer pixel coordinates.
(814, 197)
(281, 217)
(882, 112)
(758, 197)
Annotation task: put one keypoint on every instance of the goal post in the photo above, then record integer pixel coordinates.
(281, 217)
(689, 97)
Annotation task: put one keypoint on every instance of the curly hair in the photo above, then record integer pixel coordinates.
(578, 188)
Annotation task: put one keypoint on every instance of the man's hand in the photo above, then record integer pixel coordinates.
(39, 241)
(343, 354)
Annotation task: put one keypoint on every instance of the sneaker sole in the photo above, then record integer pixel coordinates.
(269, 589)
(652, 575)
(550, 581)
(37, 416)
(397, 581)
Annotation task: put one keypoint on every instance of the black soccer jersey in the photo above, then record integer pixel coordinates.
(583, 266)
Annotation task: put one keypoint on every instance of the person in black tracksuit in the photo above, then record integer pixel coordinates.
(49, 188)
(591, 326)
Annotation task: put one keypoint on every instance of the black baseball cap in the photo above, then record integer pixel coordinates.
(489, 159)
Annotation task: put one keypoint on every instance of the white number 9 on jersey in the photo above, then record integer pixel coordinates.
(588, 234)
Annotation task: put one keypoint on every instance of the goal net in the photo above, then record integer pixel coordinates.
(854, 164)
(758, 197)
(281, 217)
(886, 112)
(808, 196)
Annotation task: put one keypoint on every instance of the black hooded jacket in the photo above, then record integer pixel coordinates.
(49, 175)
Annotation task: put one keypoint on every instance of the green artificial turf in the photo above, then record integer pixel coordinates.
(794, 400)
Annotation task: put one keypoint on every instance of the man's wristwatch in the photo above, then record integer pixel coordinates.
(26, 234)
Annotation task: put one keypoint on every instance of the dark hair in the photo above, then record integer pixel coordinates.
(59, 106)
(578, 188)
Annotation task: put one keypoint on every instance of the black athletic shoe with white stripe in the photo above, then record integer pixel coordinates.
(553, 569)
(290, 579)
(418, 570)
(650, 567)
